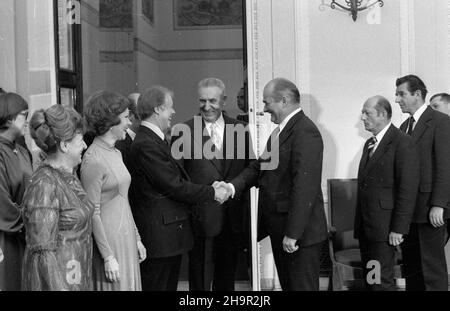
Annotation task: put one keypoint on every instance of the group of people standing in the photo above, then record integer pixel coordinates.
(49, 218)
(68, 224)
(142, 197)
(404, 188)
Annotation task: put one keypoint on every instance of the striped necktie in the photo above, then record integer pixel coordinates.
(371, 146)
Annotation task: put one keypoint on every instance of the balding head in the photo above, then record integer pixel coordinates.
(281, 87)
(376, 114)
(281, 98)
(441, 102)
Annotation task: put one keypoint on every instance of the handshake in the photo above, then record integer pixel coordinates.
(223, 191)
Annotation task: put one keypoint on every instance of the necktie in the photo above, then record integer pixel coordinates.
(215, 137)
(410, 125)
(371, 146)
(275, 132)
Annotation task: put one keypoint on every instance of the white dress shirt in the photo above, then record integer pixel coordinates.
(287, 119)
(220, 129)
(131, 133)
(380, 136)
(418, 114)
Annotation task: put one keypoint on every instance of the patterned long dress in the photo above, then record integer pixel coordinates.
(58, 223)
(106, 180)
(15, 172)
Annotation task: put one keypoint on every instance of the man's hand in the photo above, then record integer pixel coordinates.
(395, 239)
(289, 245)
(221, 194)
(437, 216)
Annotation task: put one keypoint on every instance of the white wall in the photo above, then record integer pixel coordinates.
(27, 64)
(7, 46)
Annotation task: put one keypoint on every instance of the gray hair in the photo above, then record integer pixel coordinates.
(209, 82)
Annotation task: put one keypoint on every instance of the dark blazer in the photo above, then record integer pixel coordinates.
(124, 146)
(432, 136)
(293, 188)
(160, 195)
(206, 171)
(387, 187)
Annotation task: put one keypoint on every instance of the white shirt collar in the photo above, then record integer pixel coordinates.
(419, 113)
(289, 117)
(154, 128)
(131, 133)
(220, 122)
(381, 134)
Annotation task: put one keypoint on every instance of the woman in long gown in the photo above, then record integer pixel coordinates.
(106, 180)
(15, 172)
(57, 212)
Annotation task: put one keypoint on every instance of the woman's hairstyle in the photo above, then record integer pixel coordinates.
(11, 104)
(56, 124)
(102, 111)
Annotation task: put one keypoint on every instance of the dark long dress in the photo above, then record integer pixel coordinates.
(15, 172)
(58, 223)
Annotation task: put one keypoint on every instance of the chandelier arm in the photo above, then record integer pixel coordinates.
(380, 2)
(339, 5)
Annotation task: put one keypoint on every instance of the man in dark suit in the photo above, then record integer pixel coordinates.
(290, 195)
(161, 192)
(242, 104)
(124, 146)
(388, 180)
(441, 102)
(220, 232)
(423, 249)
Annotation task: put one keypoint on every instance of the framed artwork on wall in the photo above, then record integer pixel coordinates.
(148, 11)
(116, 14)
(207, 14)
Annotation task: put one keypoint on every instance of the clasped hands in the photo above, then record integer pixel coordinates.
(223, 191)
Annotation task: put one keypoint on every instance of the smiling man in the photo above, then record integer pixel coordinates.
(161, 193)
(388, 179)
(423, 249)
(290, 195)
(220, 232)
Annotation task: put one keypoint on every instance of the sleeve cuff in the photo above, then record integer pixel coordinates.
(233, 190)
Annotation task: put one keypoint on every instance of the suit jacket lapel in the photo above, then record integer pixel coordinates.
(226, 165)
(381, 149)
(422, 124)
(287, 131)
(205, 138)
(156, 139)
(364, 160)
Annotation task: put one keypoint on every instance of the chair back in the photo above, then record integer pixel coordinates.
(342, 201)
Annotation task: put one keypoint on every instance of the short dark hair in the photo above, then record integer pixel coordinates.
(11, 104)
(444, 96)
(56, 124)
(102, 111)
(2, 91)
(152, 98)
(282, 87)
(414, 84)
(383, 105)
